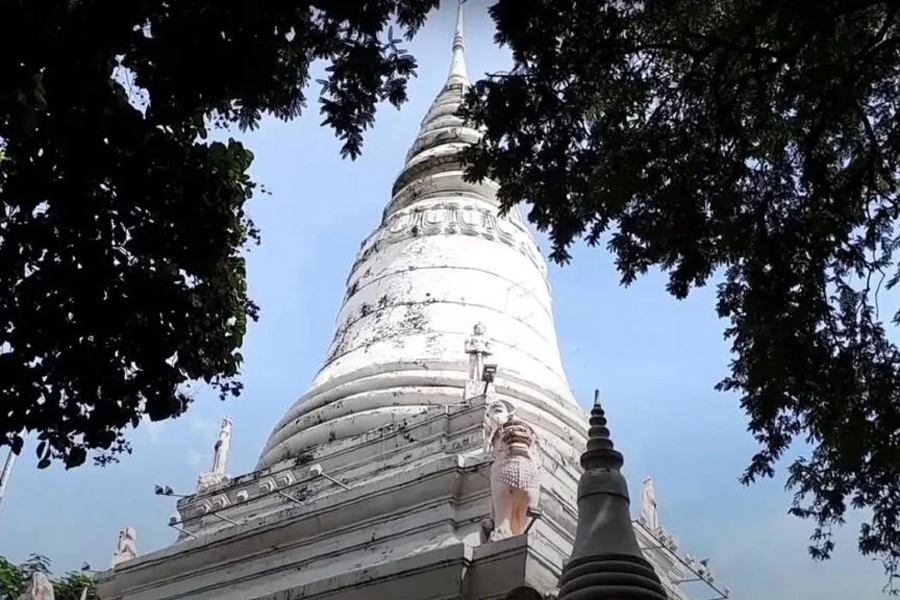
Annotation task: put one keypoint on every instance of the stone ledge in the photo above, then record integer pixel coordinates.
(499, 567)
(441, 570)
(348, 460)
(436, 483)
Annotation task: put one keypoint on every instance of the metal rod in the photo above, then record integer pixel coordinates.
(224, 518)
(182, 530)
(722, 594)
(336, 481)
(289, 497)
(654, 548)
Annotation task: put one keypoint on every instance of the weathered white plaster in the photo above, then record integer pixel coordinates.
(394, 421)
(442, 260)
(413, 492)
(419, 492)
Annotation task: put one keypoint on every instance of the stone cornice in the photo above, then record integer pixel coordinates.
(296, 522)
(428, 433)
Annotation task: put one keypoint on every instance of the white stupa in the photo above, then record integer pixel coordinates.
(440, 262)
(378, 482)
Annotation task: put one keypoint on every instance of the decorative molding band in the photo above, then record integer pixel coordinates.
(451, 218)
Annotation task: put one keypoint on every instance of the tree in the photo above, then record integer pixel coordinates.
(14, 578)
(121, 229)
(752, 141)
(755, 143)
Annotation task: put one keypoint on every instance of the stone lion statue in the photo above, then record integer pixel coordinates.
(515, 484)
(38, 588)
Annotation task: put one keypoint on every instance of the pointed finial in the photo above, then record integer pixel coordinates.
(606, 561)
(458, 73)
(600, 452)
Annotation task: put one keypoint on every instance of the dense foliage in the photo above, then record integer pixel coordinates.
(121, 228)
(753, 143)
(14, 580)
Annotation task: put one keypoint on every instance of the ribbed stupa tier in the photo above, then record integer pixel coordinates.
(442, 261)
(606, 562)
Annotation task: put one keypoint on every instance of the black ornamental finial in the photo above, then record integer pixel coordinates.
(606, 562)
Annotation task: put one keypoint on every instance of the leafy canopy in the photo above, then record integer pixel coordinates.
(121, 228)
(754, 142)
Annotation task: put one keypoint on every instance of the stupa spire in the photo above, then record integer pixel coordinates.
(442, 259)
(458, 73)
(606, 563)
(434, 154)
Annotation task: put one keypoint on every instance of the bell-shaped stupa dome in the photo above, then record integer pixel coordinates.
(441, 261)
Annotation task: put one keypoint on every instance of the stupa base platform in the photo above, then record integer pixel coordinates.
(400, 518)
(454, 572)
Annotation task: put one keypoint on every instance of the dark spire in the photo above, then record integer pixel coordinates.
(606, 562)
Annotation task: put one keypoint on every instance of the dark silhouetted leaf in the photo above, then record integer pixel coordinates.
(754, 144)
(122, 233)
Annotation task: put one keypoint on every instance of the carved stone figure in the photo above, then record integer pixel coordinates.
(649, 511)
(126, 549)
(515, 484)
(38, 588)
(220, 459)
(220, 453)
(478, 346)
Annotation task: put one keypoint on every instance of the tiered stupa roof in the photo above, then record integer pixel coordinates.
(442, 260)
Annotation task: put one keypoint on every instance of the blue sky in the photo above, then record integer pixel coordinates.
(655, 359)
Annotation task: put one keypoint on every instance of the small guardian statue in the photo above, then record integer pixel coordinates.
(515, 483)
(220, 459)
(649, 508)
(38, 588)
(126, 549)
(478, 347)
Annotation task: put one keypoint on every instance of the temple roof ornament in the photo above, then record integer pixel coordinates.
(606, 562)
(649, 506)
(126, 548)
(216, 474)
